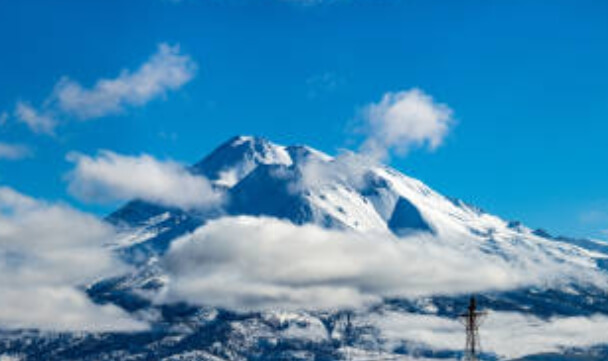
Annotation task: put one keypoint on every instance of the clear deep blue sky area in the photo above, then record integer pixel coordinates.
(527, 82)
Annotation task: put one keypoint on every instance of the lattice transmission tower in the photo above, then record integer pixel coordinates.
(472, 319)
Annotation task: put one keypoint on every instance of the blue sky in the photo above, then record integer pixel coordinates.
(527, 82)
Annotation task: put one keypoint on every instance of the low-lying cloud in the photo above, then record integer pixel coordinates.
(506, 334)
(404, 120)
(264, 263)
(47, 252)
(166, 70)
(112, 177)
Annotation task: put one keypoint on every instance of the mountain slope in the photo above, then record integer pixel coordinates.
(304, 186)
(260, 178)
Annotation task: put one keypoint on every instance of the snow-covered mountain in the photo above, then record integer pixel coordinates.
(260, 178)
(304, 186)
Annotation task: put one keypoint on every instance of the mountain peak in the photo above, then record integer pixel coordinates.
(236, 158)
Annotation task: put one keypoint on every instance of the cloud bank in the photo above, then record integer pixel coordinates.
(264, 263)
(47, 252)
(166, 70)
(113, 177)
(405, 120)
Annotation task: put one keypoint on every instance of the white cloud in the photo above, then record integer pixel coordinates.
(507, 334)
(38, 122)
(403, 120)
(166, 70)
(265, 263)
(14, 151)
(47, 251)
(111, 177)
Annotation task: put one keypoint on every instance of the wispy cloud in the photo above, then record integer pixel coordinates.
(14, 151)
(3, 118)
(322, 84)
(110, 177)
(48, 251)
(38, 122)
(403, 120)
(166, 70)
(594, 217)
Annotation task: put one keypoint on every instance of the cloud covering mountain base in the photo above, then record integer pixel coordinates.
(259, 263)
